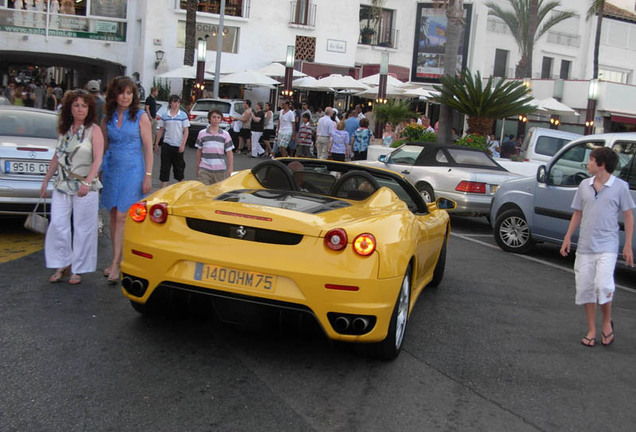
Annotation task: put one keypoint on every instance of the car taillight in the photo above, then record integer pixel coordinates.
(191, 116)
(471, 187)
(364, 244)
(228, 119)
(138, 211)
(159, 212)
(336, 239)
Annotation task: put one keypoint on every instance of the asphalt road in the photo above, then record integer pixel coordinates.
(494, 348)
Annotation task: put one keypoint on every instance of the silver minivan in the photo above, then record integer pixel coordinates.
(537, 209)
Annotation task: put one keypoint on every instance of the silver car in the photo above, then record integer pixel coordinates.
(465, 175)
(538, 209)
(231, 109)
(28, 137)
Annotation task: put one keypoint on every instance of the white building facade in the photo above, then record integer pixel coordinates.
(76, 41)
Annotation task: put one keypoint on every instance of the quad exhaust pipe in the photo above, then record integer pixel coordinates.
(351, 324)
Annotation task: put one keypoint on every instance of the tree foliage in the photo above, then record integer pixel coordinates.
(483, 103)
(518, 21)
(394, 112)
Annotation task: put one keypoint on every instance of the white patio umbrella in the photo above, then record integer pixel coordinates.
(553, 106)
(249, 77)
(185, 71)
(278, 70)
(340, 82)
(420, 92)
(392, 92)
(374, 80)
(306, 83)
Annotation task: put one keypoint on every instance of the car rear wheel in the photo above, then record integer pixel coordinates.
(390, 347)
(438, 273)
(512, 232)
(426, 191)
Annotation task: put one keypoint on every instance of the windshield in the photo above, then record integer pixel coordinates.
(28, 124)
(407, 154)
(206, 106)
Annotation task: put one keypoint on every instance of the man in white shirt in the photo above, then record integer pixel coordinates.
(323, 132)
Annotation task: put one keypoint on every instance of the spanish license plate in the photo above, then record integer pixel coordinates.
(232, 277)
(22, 167)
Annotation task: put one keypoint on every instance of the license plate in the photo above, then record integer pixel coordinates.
(234, 278)
(21, 167)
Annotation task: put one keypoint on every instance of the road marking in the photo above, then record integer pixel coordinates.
(17, 245)
(529, 258)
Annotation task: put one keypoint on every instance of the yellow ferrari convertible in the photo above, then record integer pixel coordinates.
(350, 245)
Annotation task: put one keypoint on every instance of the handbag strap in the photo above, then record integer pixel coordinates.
(35, 210)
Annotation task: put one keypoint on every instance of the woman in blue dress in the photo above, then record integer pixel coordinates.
(127, 166)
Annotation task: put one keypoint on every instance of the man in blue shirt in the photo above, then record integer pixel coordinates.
(352, 124)
(598, 203)
(175, 124)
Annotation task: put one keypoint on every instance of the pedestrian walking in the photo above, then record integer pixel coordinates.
(128, 158)
(215, 159)
(597, 204)
(173, 126)
(77, 158)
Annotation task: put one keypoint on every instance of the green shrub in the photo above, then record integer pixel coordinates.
(474, 141)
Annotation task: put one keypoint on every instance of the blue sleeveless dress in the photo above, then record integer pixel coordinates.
(123, 168)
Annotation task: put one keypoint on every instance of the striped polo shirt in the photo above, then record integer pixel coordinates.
(213, 148)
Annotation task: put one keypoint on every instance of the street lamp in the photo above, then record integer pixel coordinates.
(555, 121)
(158, 57)
(384, 72)
(521, 125)
(592, 96)
(202, 47)
(289, 71)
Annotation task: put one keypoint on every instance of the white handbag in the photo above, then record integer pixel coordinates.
(37, 222)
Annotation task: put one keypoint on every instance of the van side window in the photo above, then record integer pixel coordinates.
(626, 168)
(571, 167)
(549, 145)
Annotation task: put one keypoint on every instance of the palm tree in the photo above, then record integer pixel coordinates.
(454, 26)
(191, 35)
(528, 21)
(483, 104)
(596, 8)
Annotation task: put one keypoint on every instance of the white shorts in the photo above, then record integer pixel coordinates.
(594, 274)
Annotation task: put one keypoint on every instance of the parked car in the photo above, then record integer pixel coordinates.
(537, 209)
(465, 175)
(539, 146)
(4, 101)
(190, 242)
(231, 108)
(28, 137)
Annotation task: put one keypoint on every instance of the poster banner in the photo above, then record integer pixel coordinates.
(430, 42)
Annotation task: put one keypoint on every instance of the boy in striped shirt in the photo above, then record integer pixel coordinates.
(215, 160)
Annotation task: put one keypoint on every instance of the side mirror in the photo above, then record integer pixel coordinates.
(542, 174)
(445, 203)
(382, 158)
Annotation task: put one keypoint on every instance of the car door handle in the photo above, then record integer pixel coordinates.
(406, 172)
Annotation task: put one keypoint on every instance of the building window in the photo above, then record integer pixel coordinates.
(232, 7)
(501, 63)
(546, 68)
(565, 69)
(376, 27)
(302, 12)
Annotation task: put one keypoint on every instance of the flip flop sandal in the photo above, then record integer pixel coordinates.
(611, 335)
(591, 342)
(75, 279)
(59, 274)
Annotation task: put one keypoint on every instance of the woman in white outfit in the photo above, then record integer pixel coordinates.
(77, 159)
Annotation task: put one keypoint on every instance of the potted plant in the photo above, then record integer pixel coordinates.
(366, 34)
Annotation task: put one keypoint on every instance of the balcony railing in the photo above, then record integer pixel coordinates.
(385, 38)
(69, 26)
(302, 13)
(566, 39)
(237, 8)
